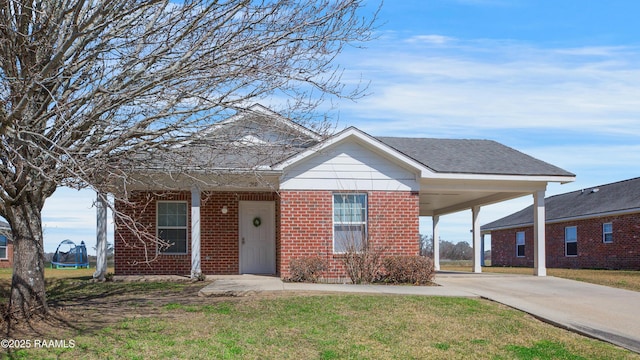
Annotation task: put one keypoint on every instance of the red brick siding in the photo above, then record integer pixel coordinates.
(219, 248)
(622, 253)
(306, 226)
(136, 255)
(8, 262)
(219, 234)
(503, 248)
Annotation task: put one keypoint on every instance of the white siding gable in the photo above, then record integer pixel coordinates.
(348, 166)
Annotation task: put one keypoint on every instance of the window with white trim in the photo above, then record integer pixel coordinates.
(172, 225)
(607, 232)
(520, 244)
(571, 241)
(349, 222)
(3, 247)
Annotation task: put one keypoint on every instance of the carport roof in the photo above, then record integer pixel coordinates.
(463, 156)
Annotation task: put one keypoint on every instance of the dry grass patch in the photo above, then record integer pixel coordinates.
(629, 280)
(5, 273)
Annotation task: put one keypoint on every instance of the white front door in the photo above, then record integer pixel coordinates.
(257, 237)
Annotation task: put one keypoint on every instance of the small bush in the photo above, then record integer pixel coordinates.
(416, 270)
(306, 269)
(363, 267)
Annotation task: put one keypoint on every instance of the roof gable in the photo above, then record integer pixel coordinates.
(359, 136)
(262, 126)
(349, 166)
(618, 197)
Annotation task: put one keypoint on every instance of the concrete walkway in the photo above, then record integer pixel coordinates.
(601, 312)
(242, 285)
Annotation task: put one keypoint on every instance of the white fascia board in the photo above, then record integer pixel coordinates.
(496, 177)
(364, 139)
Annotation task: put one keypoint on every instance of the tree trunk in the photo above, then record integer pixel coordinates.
(28, 295)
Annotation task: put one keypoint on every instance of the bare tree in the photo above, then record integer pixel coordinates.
(85, 84)
(455, 251)
(426, 245)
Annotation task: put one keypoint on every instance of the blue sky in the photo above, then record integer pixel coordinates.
(558, 80)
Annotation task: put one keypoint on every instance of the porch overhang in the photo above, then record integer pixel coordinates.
(214, 180)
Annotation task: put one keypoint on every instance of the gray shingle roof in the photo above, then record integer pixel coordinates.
(471, 157)
(592, 202)
(259, 138)
(252, 141)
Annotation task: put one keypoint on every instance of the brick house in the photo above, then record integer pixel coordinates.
(6, 246)
(273, 191)
(597, 228)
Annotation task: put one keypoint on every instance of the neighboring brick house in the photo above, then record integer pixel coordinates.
(596, 228)
(6, 246)
(286, 192)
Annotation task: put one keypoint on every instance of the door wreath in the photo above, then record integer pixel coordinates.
(257, 221)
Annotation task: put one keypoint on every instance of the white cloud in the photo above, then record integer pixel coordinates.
(500, 85)
(429, 39)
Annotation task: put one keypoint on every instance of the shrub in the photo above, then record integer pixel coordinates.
(306, 269)
(416, 270)
(363, 263)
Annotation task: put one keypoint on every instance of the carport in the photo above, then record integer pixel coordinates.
(463, 175)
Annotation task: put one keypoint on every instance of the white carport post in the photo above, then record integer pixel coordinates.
(539, 255)
(195, 233)
(436, 243)
(477, 246)
(101, 237)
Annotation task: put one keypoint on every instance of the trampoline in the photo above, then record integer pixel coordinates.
(68, 255)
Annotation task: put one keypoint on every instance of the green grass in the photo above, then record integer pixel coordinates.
(312, 327)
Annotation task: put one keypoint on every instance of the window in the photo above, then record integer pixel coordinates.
(3, 247)
(349, 222)
(571, 241)
(607, 232)
(520, 244)
(172, 225)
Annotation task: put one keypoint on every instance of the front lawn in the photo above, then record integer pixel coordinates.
(168, 320)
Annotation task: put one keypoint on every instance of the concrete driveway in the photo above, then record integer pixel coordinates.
(602, 312)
